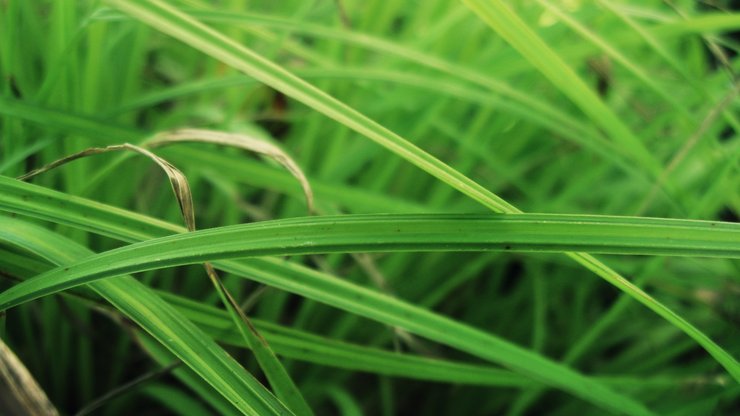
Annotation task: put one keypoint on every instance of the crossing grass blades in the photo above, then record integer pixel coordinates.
(481, 207)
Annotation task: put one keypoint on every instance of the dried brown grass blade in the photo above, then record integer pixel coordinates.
(19, 393)
(59, 162)
(271, 366)
(177, 179)
(241, 141)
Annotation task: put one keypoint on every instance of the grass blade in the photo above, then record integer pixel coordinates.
(158, 318)
(279, 378)
(437, 76)
(240, 141)
(388, 233)
(352, 233)
(437, 232)
(300, 345)
(508, 25)
(244, 169)
(181, 26)
(615, 54)
(42, 203)
(173, 22)
(20, 392)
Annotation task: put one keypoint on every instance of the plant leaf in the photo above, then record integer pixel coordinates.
(158, 318)
(183, 27)
(44, 203)
(241, 141)
(400, 232)
(273, 369)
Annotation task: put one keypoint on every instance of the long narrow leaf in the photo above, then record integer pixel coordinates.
(300, 345)
(508, 25)
(158, 318)
(43, 203)
(173, 22)
(183, 27)
(387, 233)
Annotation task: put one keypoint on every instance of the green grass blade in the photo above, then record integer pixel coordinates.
(164, 357)
(508, 25)
(175, 400)
(179, 25)
(583, 137)
(615, 54)
(391, 233)
(437, 232)
(280, 381)
(158, 318)
(253, 173)
(175, 23)
(300, 345)
(709, 23)
(367, 233)
(184, 28)
(43, 203)
(514, 357)
(437, 76)
(529, 102)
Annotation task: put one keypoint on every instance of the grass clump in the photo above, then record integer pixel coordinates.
(419, 284)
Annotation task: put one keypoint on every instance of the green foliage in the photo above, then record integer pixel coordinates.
(414, 283)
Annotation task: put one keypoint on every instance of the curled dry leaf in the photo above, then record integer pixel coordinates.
(279, 379)
(241, 141)
(177, 179)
